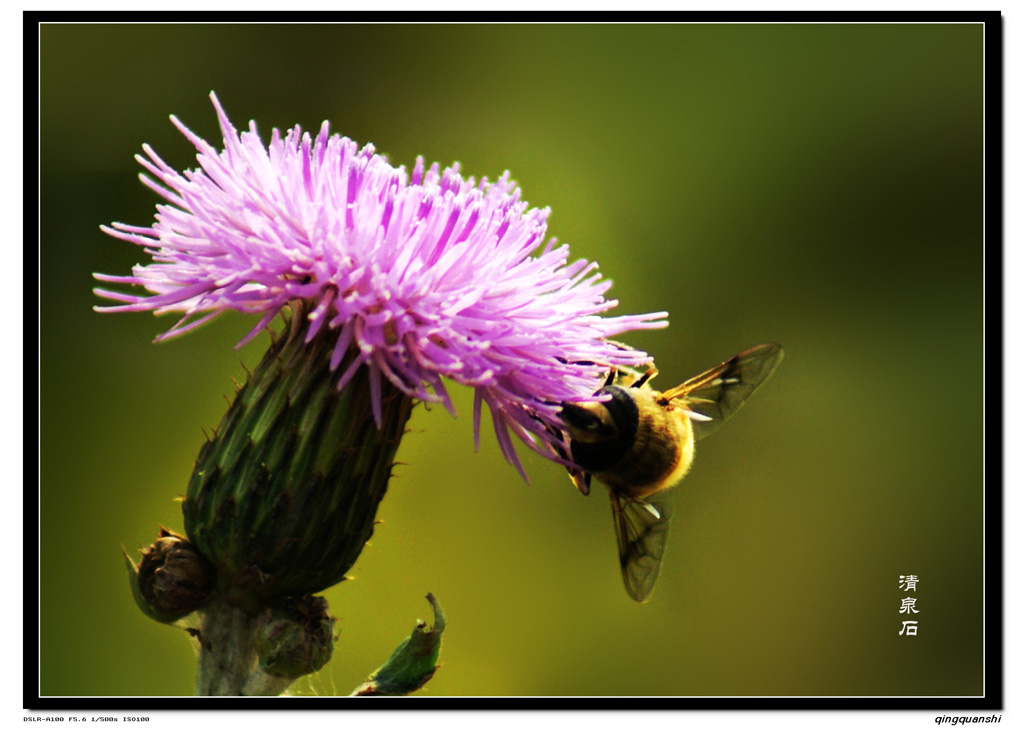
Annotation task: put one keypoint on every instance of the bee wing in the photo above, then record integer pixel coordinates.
(641, 527)
(717, 393)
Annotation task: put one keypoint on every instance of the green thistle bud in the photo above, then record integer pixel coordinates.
(284, 496)
(295, 638)
(413, 662)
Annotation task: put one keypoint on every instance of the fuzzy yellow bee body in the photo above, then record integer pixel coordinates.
(640, 442)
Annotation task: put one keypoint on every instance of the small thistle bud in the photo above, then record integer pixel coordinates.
(295, 638)
(284, 497)
(413, 662)
(172, 580)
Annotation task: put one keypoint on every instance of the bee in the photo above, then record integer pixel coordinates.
(640, 442)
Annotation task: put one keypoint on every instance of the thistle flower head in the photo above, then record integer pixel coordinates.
(423, 277)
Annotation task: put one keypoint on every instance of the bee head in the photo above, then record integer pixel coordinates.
(601, 430)
(588, 422)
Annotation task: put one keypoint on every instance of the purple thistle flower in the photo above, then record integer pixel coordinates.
(427, 277)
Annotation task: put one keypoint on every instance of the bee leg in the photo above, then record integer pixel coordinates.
(651, 373)
(581, 480)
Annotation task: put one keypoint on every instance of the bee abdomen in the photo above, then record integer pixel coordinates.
(661, 455)
(636, 442)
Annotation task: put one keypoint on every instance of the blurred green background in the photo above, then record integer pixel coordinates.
(817, 185)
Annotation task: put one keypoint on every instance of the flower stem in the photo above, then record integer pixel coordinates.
(261, 683)
(227, 657)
